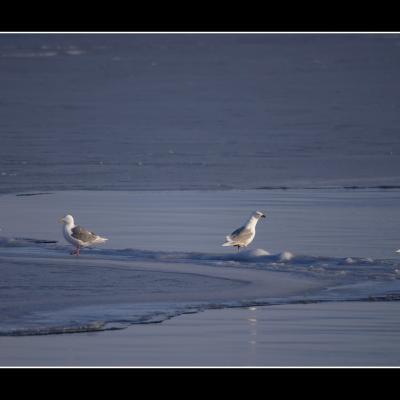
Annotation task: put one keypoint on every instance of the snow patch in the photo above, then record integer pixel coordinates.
(286, 256)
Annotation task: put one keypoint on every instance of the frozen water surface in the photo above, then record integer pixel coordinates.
(159, 143)
(164, 256)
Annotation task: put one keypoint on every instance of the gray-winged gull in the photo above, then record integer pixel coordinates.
(243, 236)
(78, 236)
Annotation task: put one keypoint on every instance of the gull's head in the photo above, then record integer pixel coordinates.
(258, 215)
(68, 219)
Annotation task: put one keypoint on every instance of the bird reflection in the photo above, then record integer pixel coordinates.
(252, 320)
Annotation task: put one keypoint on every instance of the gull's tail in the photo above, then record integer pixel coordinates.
(228, 242)
(100, 239)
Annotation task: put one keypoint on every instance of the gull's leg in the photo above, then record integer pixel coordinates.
(238, 248)
(76, 251)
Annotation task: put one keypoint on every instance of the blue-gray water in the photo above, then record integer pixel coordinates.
(198, 111)
(169, 112)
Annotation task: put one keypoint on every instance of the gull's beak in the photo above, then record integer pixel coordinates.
(61, 220)
(263, 216)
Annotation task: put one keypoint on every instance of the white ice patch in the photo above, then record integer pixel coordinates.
(30, 54)
(286, 256)
(368, 260)
(74, 52)
(256, 253)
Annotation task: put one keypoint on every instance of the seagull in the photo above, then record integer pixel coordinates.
(78, 236)
(243, 236)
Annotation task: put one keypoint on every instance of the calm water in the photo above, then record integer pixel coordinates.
(198, 111)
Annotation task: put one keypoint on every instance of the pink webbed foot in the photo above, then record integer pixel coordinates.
(76, 252)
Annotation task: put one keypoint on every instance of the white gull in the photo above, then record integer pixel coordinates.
(243, 236)
(78, 236)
